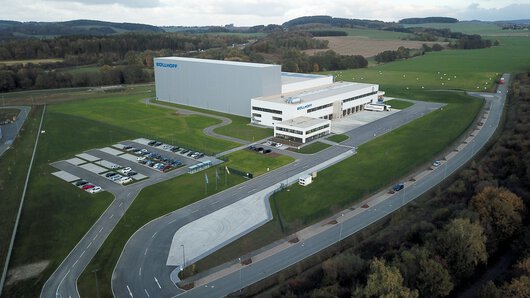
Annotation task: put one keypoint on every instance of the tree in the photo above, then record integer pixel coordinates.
(518, 287)
(462, 244)
(500, 213)
(384, 281)
(434, 279)
(489, 290)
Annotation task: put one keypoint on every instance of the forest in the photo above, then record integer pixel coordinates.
(443, 244)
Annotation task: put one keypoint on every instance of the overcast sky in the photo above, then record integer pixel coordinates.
(255, 12)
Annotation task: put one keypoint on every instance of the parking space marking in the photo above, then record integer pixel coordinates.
(145, 251)
(100, 230)
(173, 220)
(111, 216)
(121, 203)
(154, 234)
(147, 293)
(130, 293)
(156, 280)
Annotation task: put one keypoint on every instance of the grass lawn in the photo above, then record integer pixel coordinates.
(369, 33)
(239, 128)
(470, 27)
(338, 138)
(398, 104)
(14, 164)
(256, 163)
(474, 70)
(311, 148)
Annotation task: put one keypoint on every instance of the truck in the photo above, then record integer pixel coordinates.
(378, 107)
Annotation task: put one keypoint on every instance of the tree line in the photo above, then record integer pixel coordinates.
(440, 245)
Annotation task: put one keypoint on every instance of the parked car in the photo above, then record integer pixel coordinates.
(125, 170)
(95, 189)
(175, 149)
(260, 149)
(81, 183)
(116, 177)
(110, 174)
(437, 163)
(114, 166)
(140, 158)
(151, 143)
(124, 180)
(251, 147)
(127, 147)
(278, 145)
(191, 153)
(157, 144)
(131, 173)
(88, 186)
(266, 151)
(184, 151)
(398, 186)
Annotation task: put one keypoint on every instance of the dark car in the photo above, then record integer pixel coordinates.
(267, 151)
(259, 149)
(110, 174)
(191, 153)
(398, 187)
(184, 151)
(127, 147)
(157, 144)
(80, 183)
(251, 147)
(175, 149)
(151, 143)
(131, 173)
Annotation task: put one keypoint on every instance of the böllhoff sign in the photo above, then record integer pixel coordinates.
(304, 107)
(167, 65)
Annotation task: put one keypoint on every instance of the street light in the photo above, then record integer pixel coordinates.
(340, 230)
(183, 257)
(240, 268)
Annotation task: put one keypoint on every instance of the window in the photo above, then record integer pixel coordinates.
(317, 129)
(320, 107)
(277, 118)
(360, 96)
(256, 115)
(267, 110)
(298, 132)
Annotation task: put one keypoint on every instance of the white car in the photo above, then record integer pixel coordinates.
(125, 170)
(95, 189)
(278, 145)
(141, 158)
(115, 177)
(124, 180)
(436, 163)
(114, 166)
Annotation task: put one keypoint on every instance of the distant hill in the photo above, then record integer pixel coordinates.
(428, 20)
(339, 22)
(13, 29)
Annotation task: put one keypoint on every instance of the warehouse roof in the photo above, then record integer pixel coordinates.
(225, 62)
(303, 122)
(292, 77)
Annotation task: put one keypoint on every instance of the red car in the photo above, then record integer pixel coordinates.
(88, 186)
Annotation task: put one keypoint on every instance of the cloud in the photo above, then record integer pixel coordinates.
(511, 12)
(124, 3)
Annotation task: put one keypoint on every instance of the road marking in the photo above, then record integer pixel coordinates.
(95, 237)
(120, 204)
(147, 293)
(89, 245)
(75, 263)
(59, 286)
(82, 254)
(240, 187)
(111, 216)
(173, 221)
(140, 271)
(130, 293)
(154, 234)
(251, 190)
(145, 251)
(100, 230)
(156, 280)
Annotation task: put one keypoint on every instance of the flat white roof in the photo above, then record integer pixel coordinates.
(303, 122)
(293, 77)
(316, 93)
(211, 61)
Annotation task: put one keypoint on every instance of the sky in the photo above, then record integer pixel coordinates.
(255, 12)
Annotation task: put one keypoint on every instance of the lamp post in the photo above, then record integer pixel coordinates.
(240, 268)
(340, 229)
(183, 257)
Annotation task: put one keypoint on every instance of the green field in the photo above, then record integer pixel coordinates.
(256, 163)
(474, 70)
(81, 69)
(33, 61)
(369, 33)
(398, 104)
(470, 27)
(338, 138)
(311, 148)
(239, 128)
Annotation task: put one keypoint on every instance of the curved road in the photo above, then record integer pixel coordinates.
(141, 270)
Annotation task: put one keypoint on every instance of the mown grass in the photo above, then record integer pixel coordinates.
(338, 138)
(398, 104)
(256, 163)
(239, 128)
(311, 148)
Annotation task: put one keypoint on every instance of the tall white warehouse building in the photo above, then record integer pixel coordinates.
(223, 86)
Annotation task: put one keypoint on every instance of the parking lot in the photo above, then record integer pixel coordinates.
(115, 167)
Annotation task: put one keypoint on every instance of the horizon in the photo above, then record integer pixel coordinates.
(252, 12)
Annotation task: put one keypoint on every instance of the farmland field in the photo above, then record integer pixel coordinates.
(472, 27)
(33, 61)
(367, 47)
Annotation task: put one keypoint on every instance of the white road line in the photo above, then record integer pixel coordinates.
(140, 272)
(100, 230)
(130, 293)
(95, 237)
(240, 187)
(120, 204)
(111, 216)
(154, 235)
(82, 254)
(156, 280)
(173, 221)
(145, 251)
(89, 245)
(75, 263)
(147, 293)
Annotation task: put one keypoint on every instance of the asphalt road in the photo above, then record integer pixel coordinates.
(141, 269)
(254, 272)
(10, 131)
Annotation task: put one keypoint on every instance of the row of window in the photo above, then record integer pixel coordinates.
(298, 132)
(267, 110)
(317, 129)
(320, 107)
(360, 96)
